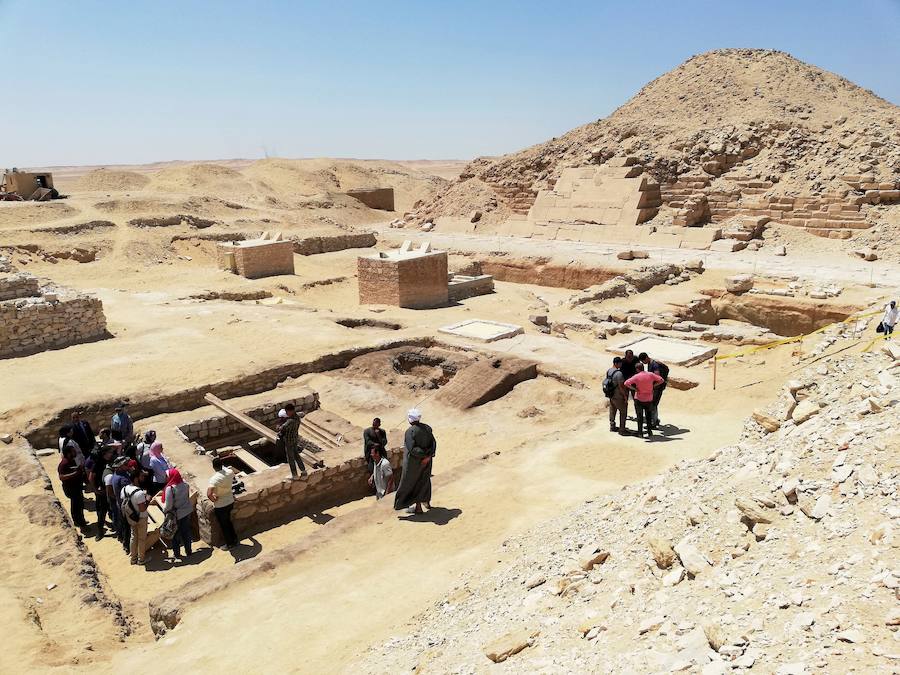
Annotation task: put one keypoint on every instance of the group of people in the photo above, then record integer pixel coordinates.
(640, 379)
(414, 491)
(123, 475)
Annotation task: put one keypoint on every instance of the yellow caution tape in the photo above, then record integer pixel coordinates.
(796, 338)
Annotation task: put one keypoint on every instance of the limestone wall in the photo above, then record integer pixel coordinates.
(20, 285)
(462, 287)
(272, 498)
(256, 259)
(830, 214)
(34, 324)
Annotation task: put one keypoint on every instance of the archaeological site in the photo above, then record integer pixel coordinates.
(721, 498)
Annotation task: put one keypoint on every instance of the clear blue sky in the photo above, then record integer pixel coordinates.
(89, 82)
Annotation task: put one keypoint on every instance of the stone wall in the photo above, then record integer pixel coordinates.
(271, 497)
(375, 198)
(21, 285)
(338, 242)
(255, 259)
(56, 319)
(100, 412)
(830, 214)
(212, 430)
(461, 287)
(416, 282)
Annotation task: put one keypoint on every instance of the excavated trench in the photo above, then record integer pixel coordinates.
(787, 317)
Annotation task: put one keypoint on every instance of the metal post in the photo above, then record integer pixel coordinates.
(715, 363)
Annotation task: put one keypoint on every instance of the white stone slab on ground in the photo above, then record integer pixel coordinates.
(668, 350)
(482, 330)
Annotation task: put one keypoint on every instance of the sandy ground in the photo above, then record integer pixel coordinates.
(364, 583)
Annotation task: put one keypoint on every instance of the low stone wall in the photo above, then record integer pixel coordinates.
(375, 198)
(52, 321)
(19, 285)
(209, 431)
(329, 244)
(272, 498)
(461, 287)
(100, 412)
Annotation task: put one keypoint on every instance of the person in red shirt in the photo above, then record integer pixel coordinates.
(71, 475)
(642, 384)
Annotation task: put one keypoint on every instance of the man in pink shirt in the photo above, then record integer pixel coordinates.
(642, 384)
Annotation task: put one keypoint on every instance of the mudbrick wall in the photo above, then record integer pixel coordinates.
(43, 434)
(830, 214)
(272, 498)
(329, 244)
(56, 319)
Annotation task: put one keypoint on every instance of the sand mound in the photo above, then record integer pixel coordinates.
(301, 178)
(759, 112)
(107, 180)
(211, 179)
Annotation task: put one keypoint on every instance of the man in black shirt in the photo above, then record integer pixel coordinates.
(83, 434)
(374, 435)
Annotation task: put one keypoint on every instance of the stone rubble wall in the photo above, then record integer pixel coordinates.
(98, 413)
(830, 214)
(329, 244)
(57, 319)
(21, 285)
(272, 498)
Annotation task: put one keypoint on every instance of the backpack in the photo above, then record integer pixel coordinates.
(662, 370)
(609, 386)
(128, 507)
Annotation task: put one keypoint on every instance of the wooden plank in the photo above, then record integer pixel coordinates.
(253, 425)
(251, 460)
(248, 422)
(318, 435)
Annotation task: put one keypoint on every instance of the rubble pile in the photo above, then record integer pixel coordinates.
(778, 554)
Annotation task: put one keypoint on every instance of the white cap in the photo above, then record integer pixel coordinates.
(414, 415)
(282, 413)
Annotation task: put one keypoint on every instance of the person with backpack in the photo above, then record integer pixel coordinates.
(889, 320)
(133, 502)
(662, 370)
(614, 390)
(175, 499)
(123, 472)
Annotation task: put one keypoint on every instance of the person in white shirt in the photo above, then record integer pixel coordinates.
(382, 474)
(889, 320)
(134, 505)
(221, 494)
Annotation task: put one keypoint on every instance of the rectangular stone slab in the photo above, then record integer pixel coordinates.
(668, 350)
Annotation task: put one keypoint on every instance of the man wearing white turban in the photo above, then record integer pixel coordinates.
(415, 482)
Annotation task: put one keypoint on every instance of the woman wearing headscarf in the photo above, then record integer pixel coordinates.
(158, 466)
(415, 482)
(176, 497)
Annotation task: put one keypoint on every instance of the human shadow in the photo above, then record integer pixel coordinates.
(161, 563)
(436, 514)
(665, 433)
(242, 551)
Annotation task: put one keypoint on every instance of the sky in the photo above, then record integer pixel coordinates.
(92, 82)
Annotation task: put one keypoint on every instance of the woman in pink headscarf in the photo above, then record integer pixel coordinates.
(158, 467)
(176, 497)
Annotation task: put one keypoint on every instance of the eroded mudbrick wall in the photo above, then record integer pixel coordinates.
(328, 244)
(271, 497)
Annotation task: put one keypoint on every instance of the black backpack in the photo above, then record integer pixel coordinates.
(663, 370)
(609, 385)
(128, 507)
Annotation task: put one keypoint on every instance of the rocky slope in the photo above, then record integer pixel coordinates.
(760, 111)
(778, 554)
